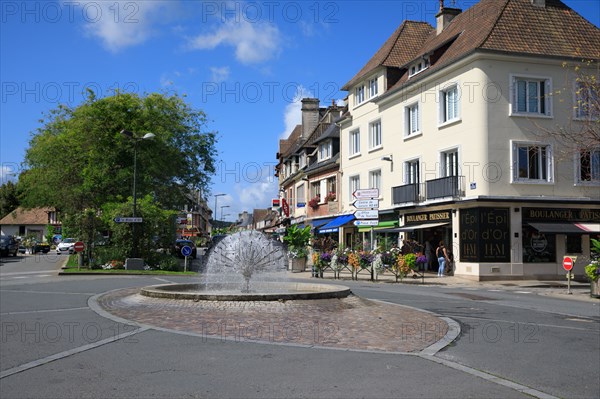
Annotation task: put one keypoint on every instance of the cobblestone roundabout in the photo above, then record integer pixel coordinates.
(348, 323)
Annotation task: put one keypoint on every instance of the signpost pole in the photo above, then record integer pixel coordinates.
(372, 249)
(568, 263)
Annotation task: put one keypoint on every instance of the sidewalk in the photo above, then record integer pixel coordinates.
(554, 288)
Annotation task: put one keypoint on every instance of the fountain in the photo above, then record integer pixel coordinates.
(244, 295)
(246, 266)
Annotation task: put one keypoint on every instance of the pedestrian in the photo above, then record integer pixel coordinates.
(442, 256)
(429, 253)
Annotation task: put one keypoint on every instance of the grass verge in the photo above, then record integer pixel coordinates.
(71, 268)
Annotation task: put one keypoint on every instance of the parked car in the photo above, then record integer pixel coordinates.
(179, 244)
(42, 247)
(22, 249)
(8, 246)
(66, 246)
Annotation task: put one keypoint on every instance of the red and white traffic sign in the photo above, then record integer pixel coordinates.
(567, 263)
(79, 246)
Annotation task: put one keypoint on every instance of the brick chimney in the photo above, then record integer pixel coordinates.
(310, 115)
(445, 15)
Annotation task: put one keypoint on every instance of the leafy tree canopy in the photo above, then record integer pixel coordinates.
(79, 160)
(9, 200)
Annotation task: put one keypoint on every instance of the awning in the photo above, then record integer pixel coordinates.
(316, 223)
(567, 227)
(421, 226)
(334, 225)
(382, 227)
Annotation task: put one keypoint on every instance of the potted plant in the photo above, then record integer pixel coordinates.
(314, 203)
(592, 271)
(330, 197)
(297, 240)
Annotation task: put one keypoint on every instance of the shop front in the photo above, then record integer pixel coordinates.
(517, 241)
(423, 231)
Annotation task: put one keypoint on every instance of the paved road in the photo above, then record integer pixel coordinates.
(54, 345)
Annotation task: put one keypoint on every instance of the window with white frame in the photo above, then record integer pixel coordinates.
(375, 134)
(418, 66)
(413, 120)
(331, 186)
(449, 163)
(373, 89)
(325, 150)
(449, 104)
(587, 100)
(375, 179)
(315, 189)
(303, 159)
(353, 185)
(412, 172)
(531, 96)
(588, 167)
(359, 95)
(300, 196)
(532, 162)
(354, 142)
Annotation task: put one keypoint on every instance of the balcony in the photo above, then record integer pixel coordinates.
(406, 193)
(451, 186)
(444, 187)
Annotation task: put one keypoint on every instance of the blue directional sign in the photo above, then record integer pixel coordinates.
(186, 250)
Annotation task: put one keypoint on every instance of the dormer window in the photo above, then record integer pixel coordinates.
(325, 150)
(418, 66)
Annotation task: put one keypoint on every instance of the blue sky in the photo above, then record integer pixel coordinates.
(243, 63)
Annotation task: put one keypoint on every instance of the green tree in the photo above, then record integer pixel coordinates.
(158, 228)
(78, 159)
(9, 200)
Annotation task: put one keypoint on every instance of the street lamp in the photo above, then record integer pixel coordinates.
(135, 139)
(224, 206)
(216, 198)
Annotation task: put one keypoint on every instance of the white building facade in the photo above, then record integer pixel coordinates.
(454, 126)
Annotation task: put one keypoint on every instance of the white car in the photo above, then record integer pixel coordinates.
(66, 246)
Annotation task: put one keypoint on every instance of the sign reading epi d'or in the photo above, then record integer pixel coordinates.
(484, 235)
(427, 217)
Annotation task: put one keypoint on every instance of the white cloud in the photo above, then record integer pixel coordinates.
(8, 172)
(292, 116)
(121, 24)
(253, 42)
(219, 74)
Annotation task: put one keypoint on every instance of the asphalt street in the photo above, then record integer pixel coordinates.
(513, 342)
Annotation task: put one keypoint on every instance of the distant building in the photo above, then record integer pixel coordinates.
(30, 222)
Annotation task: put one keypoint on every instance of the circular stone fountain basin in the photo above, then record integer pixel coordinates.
(263, 291)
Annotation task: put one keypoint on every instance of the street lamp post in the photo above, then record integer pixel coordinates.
(132, 136)
(215, 216)
(224, 206)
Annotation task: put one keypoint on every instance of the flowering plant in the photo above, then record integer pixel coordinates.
(330, 196)
(592, 271)
(388, 257)
(378, 264)
(314, 203)
(421, 259)
(365, 259)
(325, 257)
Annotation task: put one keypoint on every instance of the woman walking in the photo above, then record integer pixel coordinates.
(442, 256)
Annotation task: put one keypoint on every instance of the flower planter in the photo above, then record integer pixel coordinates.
(298, 265)
(595, 289)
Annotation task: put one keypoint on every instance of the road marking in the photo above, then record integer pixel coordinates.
(71, 352)
(522, 292)
(44, 311)
(490, 377)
